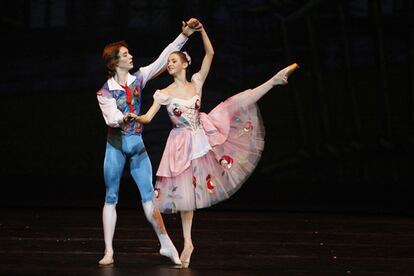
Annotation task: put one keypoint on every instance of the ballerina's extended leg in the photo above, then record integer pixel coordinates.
(281, 78)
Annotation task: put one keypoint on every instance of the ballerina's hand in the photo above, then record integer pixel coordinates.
(192, 22)
(281, 78)
(130, 117)
(195, 24)
(191, 26)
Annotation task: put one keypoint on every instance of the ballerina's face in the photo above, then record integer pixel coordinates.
(125, 59)
(175, 64)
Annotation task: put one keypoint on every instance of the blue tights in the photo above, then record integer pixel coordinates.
(119, 149)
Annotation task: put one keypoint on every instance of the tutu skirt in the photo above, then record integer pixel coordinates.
(229, 144)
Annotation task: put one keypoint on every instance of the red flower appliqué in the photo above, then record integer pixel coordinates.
(194, 181)
(177, 112)
(210, 184)
(138, 127)
(157, 193)
(248, 126)
(136, 91)
(226, 161)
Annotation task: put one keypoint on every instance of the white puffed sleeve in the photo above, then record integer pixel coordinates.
(112, 115)
(161, 98)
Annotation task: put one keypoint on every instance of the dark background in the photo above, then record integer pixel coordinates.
(339, 137)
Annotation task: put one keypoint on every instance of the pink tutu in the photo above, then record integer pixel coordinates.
(207, 157)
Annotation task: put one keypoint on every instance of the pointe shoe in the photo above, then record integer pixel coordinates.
(106, 260)
(186, 256)
(172, 254)
(282, 76)
(185, 264)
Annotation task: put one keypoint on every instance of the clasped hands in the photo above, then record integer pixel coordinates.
(190, 26)
(129, 117)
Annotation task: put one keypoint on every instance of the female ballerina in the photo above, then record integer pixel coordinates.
(207, 157)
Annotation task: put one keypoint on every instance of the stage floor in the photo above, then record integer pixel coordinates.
(69, 241)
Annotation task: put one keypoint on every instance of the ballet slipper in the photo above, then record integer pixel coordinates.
(171, 253)
(167, 246)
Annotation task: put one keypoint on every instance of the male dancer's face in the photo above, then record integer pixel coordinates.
(125, 59)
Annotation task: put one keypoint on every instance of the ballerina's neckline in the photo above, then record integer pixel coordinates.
(172, 97)
(184, 99)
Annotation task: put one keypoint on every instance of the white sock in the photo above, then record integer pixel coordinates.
(167, 247)
(109, 221)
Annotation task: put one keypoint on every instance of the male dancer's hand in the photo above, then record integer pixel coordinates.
(193, 23)
(191, 26)
(128, 118)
